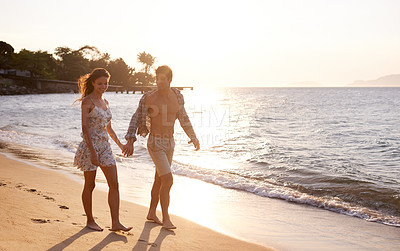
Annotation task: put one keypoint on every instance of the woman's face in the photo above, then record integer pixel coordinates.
(100, 85)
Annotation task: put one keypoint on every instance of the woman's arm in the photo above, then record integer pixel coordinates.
(112, 133)
(114, 136)
(86, 106)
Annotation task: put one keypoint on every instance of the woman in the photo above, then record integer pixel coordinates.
(95, 150)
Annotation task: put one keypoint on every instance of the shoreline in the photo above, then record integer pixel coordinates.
(269, 223)
(53, 219)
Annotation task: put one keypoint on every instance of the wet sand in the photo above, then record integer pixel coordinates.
(41, 210)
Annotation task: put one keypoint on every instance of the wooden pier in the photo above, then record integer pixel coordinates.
(60, 86)
(141, 89)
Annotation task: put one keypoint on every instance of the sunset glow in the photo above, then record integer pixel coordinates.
(223, 43)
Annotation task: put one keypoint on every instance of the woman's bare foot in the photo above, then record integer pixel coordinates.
(120, 227)
(93, 225)
(153, 217)
(168, 225)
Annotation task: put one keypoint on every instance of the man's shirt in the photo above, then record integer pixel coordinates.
(140, 121)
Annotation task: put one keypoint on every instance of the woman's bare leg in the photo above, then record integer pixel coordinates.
(87, 193)
(113, 198)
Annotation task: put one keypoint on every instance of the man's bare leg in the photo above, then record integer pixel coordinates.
(166, 184)
(87, 192)
(155, 197)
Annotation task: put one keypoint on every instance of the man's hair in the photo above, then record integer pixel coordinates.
(164, 69)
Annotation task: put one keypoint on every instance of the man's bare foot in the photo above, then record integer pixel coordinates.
(93, 225)
(120, 227)
(154, 218)
(168, 225)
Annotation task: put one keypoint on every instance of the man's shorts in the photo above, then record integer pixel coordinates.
(161, 151)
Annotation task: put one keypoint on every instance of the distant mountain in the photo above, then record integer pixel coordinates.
(305, 84)
(386, 81)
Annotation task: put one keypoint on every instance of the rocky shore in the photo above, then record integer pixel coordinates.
(10, 89)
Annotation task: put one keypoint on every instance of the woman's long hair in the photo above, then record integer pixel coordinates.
(85, 82)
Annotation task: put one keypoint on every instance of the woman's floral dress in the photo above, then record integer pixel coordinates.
(98, 120)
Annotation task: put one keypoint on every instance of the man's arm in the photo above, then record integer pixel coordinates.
(187, 126)
(130, 135)
(133, 126)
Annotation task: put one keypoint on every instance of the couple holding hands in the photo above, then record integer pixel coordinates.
(162, 107)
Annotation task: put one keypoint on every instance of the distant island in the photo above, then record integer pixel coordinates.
(386, 81)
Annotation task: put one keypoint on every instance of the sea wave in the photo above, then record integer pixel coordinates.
(269, 188)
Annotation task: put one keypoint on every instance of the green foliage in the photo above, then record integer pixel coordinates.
(39, 63)
(100, 62)
(68, 64)
(6, 53)
(143, 78)
(71, 64)
(121, 73)
(147, 60)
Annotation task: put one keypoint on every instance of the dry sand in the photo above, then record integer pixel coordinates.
(41, 210)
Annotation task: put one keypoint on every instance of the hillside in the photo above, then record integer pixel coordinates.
(386, 81)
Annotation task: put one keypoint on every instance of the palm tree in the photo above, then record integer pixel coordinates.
(147, 60)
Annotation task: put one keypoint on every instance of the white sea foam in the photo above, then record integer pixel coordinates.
(266, 189)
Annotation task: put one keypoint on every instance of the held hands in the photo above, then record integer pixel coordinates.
(196, 144)
(128, 149)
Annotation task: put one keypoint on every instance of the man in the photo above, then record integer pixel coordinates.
(163, 106)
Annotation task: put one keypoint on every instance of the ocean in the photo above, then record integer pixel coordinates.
(334, 150)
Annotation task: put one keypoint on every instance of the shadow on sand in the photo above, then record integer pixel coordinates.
(142, 244)
(143, 241)
(111, 237)
(67, 242)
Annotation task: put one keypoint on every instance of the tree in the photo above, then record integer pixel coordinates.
(39, 63)
(90, 51)
(101, 62)
(142, 78)
(121, 73)
(6, 53)
(145, 78)
(147, 60)
(72, 63)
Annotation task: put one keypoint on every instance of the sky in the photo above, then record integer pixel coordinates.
(222, 42)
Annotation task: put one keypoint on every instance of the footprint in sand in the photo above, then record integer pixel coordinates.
(32, 190)
(48, 198)
(63, 207)
(40, 221)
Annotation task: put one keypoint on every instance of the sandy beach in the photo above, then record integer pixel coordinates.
(41, 210)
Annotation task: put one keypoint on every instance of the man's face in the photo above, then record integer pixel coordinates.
(162, 81)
